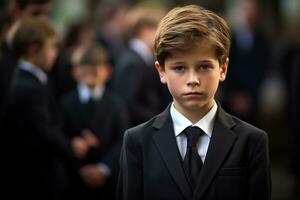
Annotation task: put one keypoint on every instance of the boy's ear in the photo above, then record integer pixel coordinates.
(75, 72)
(223, 70)
(106, 73)
(161, 72)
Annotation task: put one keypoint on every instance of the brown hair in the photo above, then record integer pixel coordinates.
(184, 27)
(31, 31)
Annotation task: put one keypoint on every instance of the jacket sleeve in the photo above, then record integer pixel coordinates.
(48, 137)
(120, 124)
(259, 172)
(130, 184)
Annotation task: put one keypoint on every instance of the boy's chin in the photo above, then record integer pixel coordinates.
(92, 84)
(196, 106)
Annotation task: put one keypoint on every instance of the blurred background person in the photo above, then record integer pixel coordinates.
(135, 77)
(41, 152)
(110, 23)
(96, 118)
(291, 70)
(249, 56)
(77, 38)
(17, 9)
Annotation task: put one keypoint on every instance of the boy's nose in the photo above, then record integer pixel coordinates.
(193, 79)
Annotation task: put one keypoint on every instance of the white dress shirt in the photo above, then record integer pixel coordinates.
(206, 124)
(37, 72)
(85, 93)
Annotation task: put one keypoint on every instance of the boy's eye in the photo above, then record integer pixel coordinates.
(205, 67)
(178, 68)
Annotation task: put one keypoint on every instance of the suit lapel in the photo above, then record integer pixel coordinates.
(221, 142)
(167, 146)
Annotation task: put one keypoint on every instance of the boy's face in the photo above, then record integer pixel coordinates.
(193, 77)
(46, 55)
(147, 34)
(92, 76)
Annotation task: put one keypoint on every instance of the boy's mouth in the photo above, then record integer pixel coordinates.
(193, 94)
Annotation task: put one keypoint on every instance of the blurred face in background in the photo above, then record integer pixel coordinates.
(92, 75)
(147, 34)
(251, 13)
(45, 56)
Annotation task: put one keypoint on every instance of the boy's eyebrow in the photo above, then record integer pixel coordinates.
(177, 63)
(205, 61)
(183, 62)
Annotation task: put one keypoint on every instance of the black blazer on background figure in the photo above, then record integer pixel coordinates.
(107, 118)
(236, 165)
(138, 83)
(8, 65)
(40, 150)
(108, 121)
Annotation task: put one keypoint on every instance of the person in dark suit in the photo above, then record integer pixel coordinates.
(135, 72)
(41, 152)
(249, 54)
(292, 71)
(96, 118)
(18, 9)
(294, 138)
(194, 149)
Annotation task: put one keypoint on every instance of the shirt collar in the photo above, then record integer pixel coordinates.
(37, 72)
(85, 93)
(142, 50)
(206, 123)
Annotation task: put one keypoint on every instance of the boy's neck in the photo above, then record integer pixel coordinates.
(32, 61)
(95, 87)
(194, 115)
(36, 71)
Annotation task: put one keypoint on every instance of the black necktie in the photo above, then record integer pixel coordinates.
(192, 161)
(89, 110)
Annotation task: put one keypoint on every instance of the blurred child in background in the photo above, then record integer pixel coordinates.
(95, 118)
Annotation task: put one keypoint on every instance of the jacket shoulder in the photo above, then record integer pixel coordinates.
(143, 129)
(247, 129)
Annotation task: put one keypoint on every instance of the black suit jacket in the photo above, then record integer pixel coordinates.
(8, 64)
(139, 85)
(236, 165)
(40, 150)
(107, 118)
(294, 113)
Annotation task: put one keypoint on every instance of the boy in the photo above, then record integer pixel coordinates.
(194, 149)
(95, 118)
(18, 9)
(134, 72)
(40, 149)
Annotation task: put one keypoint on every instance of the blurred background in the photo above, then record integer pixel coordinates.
(262, 85)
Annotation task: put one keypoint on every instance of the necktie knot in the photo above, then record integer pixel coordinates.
(193, 133)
